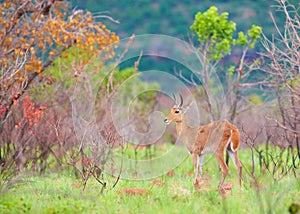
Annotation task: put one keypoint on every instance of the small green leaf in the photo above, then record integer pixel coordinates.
(255, 99)
(231, 71)
(242, 39)
(255, 32)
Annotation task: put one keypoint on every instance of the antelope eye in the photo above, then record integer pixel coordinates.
(177, 112)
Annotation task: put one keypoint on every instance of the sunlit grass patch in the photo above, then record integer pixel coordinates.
(62, 193)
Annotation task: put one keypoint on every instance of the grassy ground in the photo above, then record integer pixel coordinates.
(173, 193)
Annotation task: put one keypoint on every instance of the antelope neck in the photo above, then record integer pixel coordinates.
(186, 133)
(181, 125)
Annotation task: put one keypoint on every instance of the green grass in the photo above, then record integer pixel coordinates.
(56, 193)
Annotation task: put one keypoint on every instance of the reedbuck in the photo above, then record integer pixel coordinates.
(214, 138)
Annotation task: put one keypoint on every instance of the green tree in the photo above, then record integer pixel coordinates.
(217, 36)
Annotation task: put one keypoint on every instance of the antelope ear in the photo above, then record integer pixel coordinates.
(187, 106)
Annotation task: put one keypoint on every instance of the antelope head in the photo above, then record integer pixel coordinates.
(176, 113)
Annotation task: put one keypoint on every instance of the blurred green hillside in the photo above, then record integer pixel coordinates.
(174, 17)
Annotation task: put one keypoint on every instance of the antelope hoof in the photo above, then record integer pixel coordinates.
(197, 182)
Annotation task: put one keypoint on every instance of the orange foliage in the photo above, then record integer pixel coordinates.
(31, 113)
(2, 110)
(34, 33)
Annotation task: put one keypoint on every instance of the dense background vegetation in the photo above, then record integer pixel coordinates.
(174, 17)
(62, 98)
